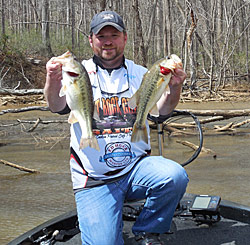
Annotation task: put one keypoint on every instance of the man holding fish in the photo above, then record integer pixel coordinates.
(108, 99)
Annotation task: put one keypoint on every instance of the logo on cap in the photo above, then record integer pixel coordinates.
(108, 16)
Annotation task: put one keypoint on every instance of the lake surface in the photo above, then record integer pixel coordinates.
(27, 200)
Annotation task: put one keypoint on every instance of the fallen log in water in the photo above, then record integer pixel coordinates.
(193, 124)
(24, 109)
(224, 113)
(34, 126)
(227, 127)
(195, 147)
(21, 168)
(5, 91)
(231, 126)
(241, 123)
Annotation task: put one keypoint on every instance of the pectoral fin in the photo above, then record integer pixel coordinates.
(62, 91)
(133, 101)
(167, 90)
(160, 82)
(72, 119)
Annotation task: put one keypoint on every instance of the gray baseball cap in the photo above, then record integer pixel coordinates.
(106, 18)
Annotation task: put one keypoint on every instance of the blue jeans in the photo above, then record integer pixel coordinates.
(160, 181)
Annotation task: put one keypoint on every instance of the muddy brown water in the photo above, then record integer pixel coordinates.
(27, 200)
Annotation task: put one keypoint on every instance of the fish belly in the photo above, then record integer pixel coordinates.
(150, 93)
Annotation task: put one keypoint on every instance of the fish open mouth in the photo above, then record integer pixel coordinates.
(72, 74)
(164, 70)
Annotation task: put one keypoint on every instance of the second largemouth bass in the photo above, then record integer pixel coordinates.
(154, 84)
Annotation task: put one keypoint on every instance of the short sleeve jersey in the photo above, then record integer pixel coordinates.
(113, 129)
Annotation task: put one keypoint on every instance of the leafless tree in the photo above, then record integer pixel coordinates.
(45, 27)
(3, 17)
(214, 43)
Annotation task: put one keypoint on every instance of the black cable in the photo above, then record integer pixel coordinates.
(196, 120)
(162, 119)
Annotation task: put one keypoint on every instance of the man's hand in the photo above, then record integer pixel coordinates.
(54, 70)
(53, 86)
(178, 78)
(168, 102)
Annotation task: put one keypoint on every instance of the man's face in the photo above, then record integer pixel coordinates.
(108, 44)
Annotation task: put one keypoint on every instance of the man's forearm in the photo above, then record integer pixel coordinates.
(168, 102)
(51, 93)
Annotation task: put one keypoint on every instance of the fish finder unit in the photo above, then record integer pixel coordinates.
(202, 209)
(205, 209)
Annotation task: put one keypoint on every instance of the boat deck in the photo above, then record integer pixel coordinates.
(187, 232)
(232, 229)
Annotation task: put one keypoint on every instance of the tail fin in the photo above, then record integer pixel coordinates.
(139, 133)
(91, 142)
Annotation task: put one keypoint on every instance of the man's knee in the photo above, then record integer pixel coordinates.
(182, 178)
(175, 179)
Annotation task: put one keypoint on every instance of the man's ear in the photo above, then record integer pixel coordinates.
(125, 37)
(90, 41)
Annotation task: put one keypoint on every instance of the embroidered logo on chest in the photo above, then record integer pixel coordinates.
(117, 154)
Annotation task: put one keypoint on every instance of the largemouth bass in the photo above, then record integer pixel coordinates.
(154, 84)
(79, 96)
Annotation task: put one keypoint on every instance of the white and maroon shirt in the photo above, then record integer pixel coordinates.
(117, 154)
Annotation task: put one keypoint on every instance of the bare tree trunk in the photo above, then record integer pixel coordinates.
(73, 23)
(164, 29)
(135, 42)
(220, 18)
(139, 37)
(151, 30)
(245, 43)
(68, 12)
(182, 10)
(3, 17)
(247, 56)
(169, 28)
(190, 48)
(158, 34)
(212, 41)
(35, 13)
(45, 28)
(167, 25)
(102, 5)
